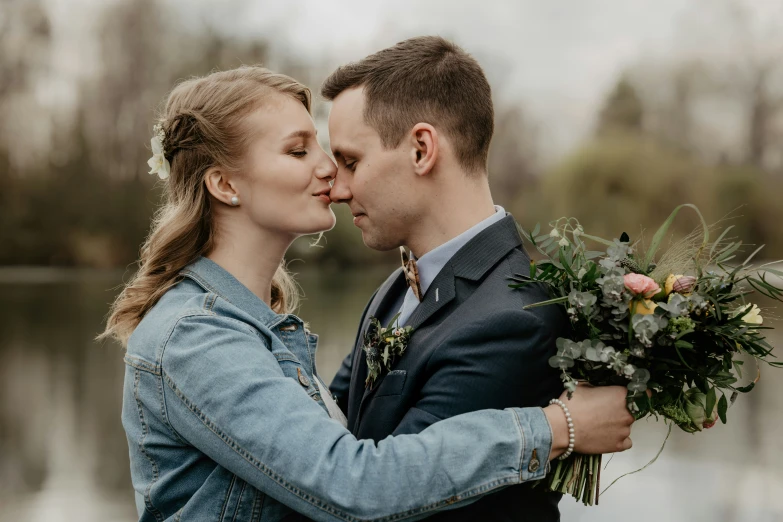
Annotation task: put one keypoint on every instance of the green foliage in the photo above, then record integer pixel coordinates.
(633, 181)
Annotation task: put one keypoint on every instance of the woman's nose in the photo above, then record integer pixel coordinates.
(326, 170)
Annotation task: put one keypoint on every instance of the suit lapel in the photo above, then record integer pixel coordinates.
(440, 292)
(386, 297)
(471, 262)
(438, 295)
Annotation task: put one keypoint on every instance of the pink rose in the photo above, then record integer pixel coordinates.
(641, 285)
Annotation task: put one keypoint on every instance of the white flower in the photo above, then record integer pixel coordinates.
(554, 233)
(753, 316)
(158, 163)
(563, 242)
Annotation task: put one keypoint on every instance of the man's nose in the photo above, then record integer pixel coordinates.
(341, 192)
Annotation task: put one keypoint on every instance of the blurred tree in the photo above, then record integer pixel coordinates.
(512, 156)
(763, 107)
(25, 43)
(623, 110)
(628, 183)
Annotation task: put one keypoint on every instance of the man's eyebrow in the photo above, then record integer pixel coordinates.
(339, 153)
(300, 134)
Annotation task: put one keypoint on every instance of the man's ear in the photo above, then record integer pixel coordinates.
(221, 187)
(425, 148)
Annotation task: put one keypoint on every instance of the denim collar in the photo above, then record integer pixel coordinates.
(216, 279)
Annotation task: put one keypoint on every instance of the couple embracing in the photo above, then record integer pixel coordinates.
(226, 415)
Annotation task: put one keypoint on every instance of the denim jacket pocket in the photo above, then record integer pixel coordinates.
(392, 384)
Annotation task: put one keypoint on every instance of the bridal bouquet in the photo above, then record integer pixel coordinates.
(679, 324)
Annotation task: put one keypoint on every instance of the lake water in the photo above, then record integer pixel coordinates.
(64, 457)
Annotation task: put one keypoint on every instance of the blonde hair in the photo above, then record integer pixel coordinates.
(202, 121)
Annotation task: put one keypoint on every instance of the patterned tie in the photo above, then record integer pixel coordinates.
(411, 273)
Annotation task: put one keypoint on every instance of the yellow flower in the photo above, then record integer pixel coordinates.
(645, 307)
(753, 316)
(670, 280)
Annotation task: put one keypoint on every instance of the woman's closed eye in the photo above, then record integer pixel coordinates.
(298, 153)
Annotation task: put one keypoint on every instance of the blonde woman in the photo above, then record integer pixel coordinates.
(225, 415)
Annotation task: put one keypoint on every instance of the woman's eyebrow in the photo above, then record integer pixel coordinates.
(301, 134)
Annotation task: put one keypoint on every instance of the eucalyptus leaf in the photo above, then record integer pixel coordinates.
(536, 229)
(723, 405)
(711, 400)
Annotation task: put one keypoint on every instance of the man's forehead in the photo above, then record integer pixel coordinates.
(348, 106)
(347, 128)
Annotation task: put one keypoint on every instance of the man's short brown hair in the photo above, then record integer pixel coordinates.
(423, 79)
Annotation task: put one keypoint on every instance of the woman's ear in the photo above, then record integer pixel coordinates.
(425, 148)
(221, 187)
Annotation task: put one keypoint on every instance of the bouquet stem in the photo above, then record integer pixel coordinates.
(578, 476)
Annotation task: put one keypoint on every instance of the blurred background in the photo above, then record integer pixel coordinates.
(612, 112)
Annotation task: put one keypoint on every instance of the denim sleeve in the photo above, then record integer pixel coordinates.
(225, 394)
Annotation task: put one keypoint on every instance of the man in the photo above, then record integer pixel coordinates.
(410, 129)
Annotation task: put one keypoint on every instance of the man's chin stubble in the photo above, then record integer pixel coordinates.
(380, 244)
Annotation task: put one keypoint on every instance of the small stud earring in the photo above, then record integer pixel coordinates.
(235, 201)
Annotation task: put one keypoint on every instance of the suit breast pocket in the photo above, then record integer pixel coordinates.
(392, 384)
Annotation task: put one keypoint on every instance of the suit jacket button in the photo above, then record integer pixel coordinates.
(303, 380)
(535, 464)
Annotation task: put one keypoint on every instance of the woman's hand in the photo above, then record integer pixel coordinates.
(602, 422)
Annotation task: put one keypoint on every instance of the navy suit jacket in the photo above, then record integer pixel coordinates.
(473, 347)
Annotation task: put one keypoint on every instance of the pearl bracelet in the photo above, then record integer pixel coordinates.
(570, 423)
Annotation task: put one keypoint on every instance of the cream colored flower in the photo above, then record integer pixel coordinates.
(563, 242)
(158, 163)
(753, 316)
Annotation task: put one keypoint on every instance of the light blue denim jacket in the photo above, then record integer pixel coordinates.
(225, 423)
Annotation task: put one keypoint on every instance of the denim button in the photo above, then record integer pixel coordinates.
(316, 397)
(303, 380)
(535, 464)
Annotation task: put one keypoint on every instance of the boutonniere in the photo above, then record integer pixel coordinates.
(382, 346)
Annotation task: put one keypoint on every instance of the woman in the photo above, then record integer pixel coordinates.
(223, 409)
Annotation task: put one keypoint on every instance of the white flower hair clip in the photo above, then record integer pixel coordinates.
(158, 163)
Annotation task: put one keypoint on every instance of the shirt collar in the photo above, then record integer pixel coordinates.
(431, 263)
